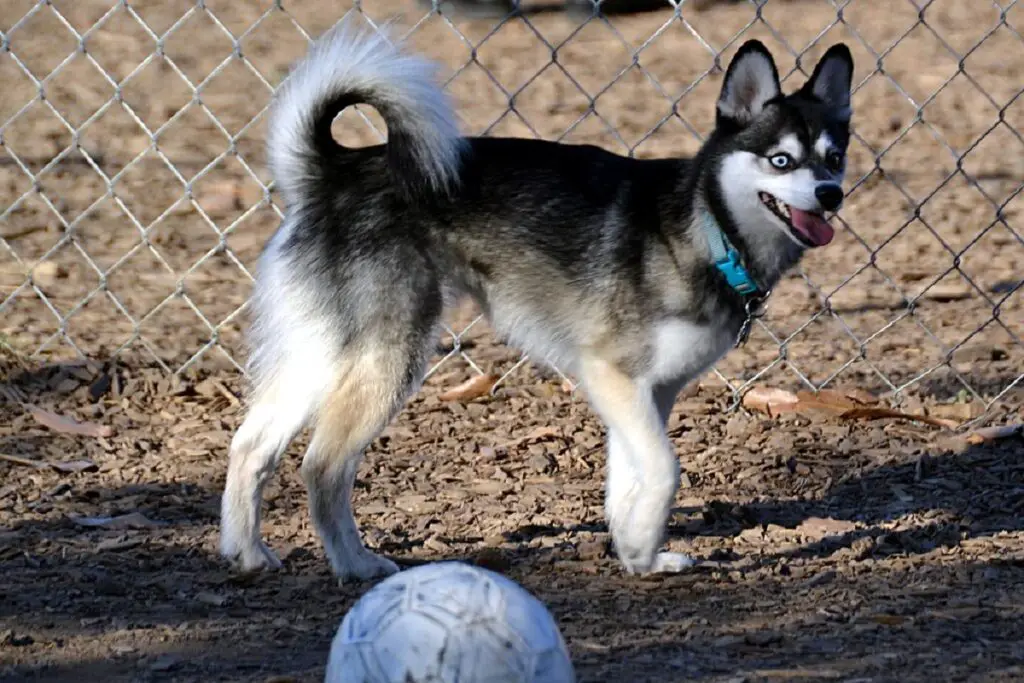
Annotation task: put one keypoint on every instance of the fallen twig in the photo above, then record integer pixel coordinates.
(883, 413)
(66, 425)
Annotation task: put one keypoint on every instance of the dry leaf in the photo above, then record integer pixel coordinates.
(66, 425)
(132, 520)
(825, 400)
(835, 400)
(861, 396)
(989, 434)
(883, 413)
(770, 401)
(474, 387)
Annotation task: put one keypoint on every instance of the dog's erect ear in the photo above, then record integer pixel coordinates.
(750, 81)
(832, 79)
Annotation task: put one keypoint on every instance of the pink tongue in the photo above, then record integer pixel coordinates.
(815, 228)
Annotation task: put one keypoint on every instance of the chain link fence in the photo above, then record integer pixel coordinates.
(134, 197)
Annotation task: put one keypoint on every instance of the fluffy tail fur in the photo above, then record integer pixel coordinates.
(350, 65)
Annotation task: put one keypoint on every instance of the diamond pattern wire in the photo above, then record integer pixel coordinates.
(677, 20)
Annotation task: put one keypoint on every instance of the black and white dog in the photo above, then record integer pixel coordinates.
(634, 275)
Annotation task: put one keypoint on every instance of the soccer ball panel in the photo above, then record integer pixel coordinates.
(373, 612)
(458, 590)
(410, 648)
(484, 652)
(527, 616)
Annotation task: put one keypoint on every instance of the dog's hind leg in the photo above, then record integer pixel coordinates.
(643, 471)
(378, 378)
(279, 409)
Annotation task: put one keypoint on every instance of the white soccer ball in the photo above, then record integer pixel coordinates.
(445, 623)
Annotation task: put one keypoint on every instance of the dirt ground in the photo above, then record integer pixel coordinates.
(830, 548)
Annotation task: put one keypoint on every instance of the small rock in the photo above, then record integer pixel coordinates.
(165, 662)
(1005, 286)
(945, 292)
(821, 578)
(736, 426)
(863, 548)
(47, 272)
(212, 599)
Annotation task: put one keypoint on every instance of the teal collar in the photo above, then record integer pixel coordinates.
(727, 259)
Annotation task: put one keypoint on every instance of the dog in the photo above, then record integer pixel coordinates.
(636, 276)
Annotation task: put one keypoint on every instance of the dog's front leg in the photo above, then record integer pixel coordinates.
(643, 471)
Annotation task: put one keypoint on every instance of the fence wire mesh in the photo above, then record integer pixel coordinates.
(134, 196)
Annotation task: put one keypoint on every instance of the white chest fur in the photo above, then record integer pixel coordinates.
(682, 350)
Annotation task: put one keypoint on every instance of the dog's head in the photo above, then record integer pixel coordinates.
(781, 158)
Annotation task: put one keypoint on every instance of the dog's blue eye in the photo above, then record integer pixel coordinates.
(781, 160)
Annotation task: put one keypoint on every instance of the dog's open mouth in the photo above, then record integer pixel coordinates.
(810, 229)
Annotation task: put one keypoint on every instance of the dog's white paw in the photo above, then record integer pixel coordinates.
(366, 567)
(671, 563)
(255, 558)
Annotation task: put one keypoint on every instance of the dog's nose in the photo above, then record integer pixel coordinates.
(829, 195)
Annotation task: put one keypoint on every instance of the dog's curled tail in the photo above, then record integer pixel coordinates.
(347, 66)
